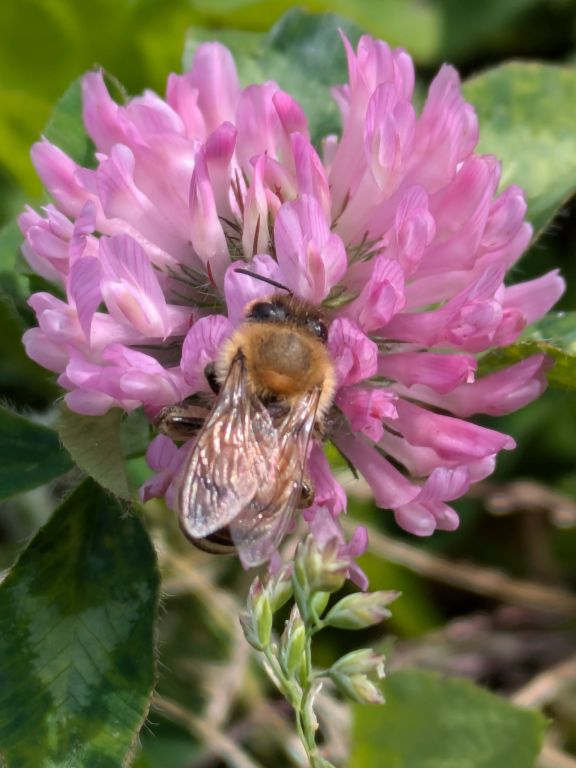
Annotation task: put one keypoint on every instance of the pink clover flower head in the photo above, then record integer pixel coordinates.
(397, 230)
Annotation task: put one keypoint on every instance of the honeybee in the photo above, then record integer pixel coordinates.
(245, 475)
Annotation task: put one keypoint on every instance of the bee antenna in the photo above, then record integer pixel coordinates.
(264, 279)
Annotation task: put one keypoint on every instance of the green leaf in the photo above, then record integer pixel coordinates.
(555, 336)
(302, 53)
(77, 641)
(12, 282)
(18, 116)
(21, 379)
(415, 26)
(469, 26)
(30, 454)
(527, 115)
(95, 444)
(66, 129)
(306, 56)
(135, 434)
(10, 242)
(429, 721)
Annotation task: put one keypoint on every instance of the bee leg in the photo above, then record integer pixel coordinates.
(210, 374)
(180, 422)
(306, 494)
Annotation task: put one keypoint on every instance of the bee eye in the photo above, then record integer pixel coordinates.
(318, 328)
(266, 310)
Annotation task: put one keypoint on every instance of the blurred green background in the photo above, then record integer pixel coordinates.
(527, 531)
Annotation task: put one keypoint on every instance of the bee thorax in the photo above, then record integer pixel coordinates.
(285, 353)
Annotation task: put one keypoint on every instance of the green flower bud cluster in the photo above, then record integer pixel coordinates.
(316, 574)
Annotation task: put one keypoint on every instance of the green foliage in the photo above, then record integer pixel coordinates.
(78, 609)
(65, 128)
(21, 114)
(77, 642)
(430, 721)
(467, 25)
(555, 335)
(95, 444)
(22, 380)
(415, 26)
(30, 454)
(527, 116)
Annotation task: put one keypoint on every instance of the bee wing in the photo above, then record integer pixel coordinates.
(258, 530)
(234, 458)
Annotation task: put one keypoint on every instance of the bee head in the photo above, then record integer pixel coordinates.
(318, 328)
(267, 311)
(284, 309)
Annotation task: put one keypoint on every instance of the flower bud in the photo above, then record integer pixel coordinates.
(292, 642)
(309, 708)
(319, 602)
(362, 661)
(250, 633)
(323, 570)
(360, 610)
(279, 588)
(358, 688)
(257, 621)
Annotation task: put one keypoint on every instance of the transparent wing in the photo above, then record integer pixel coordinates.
(258, 529)
(234, 459)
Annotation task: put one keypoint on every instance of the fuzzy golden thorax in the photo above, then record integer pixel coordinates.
(283, 343)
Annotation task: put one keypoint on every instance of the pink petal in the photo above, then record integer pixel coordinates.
(206, 231)
(453, 439)
(84, 226)
(262, 128)
(153, 117)
(121, 198)
(310, 174)
(535, 297)
(58, 174)
(84, 290)
(165, 458)
(381, 296)
(446, 132)
(470, 320)
(391, 489)
(46, 253)
(496, 394)
(161, 453)
(365, 408)
(440, 372)
(201, 346)
(130, 287)
(182, 96)
(310, 257)
(255, 235)
(388, 135)
(353, 353)
(460, 212)
(445, 484)
(219, 152)
(89, 403)
(106, 122)
(163, 173)
(413, 230)
(213, 75)
(422, 519)
(44, 351)
(328, 493)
